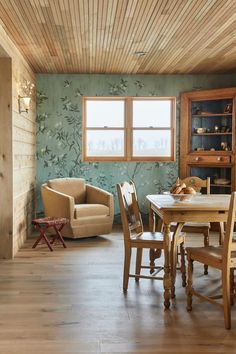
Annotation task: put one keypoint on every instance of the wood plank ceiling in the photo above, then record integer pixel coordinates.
(123, 36)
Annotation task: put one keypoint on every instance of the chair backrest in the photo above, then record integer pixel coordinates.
(197, 183)
(74, 187)
(129, 209)
(229, 245)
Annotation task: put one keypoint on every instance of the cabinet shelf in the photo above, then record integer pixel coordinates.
(212, 115)
(221, 185)
(208, 152)
(213, 134)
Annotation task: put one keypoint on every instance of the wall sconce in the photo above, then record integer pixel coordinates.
(24, 103)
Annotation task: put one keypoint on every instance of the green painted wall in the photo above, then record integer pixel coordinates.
(59, 116)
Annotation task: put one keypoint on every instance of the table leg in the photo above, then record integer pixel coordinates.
(174, 256)
(152, 220)
(167, 272)
(152, 226)
(154, 253)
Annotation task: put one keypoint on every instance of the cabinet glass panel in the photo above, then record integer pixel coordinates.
(211, 128)
(220, 178)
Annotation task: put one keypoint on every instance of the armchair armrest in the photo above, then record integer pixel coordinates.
(95, 195)
(57, 204)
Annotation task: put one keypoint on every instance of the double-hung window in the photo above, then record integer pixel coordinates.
(129, 128)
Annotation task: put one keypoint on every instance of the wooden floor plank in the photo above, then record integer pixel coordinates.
(71, 301)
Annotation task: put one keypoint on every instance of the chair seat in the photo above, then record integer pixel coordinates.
(155, 236)
(207, 254)
(197, 224)
(194, 224)
(90, 210)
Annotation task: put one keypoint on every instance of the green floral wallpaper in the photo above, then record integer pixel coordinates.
(59, 128)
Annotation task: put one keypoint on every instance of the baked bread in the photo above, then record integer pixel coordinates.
(178, 187)
(189, 190)
(177, 184)
(181, 188)
(176, 190)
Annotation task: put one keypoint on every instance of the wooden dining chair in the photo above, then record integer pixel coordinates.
(196, 227)
(223, 258)
(136, 238)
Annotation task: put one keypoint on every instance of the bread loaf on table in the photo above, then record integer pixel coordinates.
(181, 188)
(189, 190)
(177, 189)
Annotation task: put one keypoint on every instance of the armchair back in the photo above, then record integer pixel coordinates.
(74, 187)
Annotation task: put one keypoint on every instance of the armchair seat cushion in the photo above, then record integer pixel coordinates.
(90, 210)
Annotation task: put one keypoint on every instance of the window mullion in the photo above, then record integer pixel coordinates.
(173, 125)
(128, 126)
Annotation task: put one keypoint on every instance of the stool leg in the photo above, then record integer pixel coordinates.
(42, 235)
(58, 235)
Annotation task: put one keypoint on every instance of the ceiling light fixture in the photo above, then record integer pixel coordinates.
(140, 53)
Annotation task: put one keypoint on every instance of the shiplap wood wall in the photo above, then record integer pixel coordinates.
(21, 181)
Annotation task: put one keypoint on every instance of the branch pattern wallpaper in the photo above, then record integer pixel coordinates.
(59, 129)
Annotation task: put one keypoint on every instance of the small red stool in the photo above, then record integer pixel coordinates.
(43, 224)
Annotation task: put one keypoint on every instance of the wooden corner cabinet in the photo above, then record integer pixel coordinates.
(207, 137)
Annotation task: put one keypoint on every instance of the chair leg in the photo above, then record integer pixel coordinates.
(183, 267)
(126, 268)
(138, 262)
(206, 243)
(232, 286)
(226, 298)
(221, 233)
(189, 289)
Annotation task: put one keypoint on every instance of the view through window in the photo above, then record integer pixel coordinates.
(129, 128)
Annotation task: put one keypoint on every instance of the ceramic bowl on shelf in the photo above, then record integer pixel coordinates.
(205, 113)
(200, 130)
(221, 181)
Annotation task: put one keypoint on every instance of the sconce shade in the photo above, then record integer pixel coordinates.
(24, 104)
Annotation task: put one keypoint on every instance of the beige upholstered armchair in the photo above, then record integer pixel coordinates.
(89, 209)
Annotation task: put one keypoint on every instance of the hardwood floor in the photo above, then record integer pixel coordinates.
(71, 301)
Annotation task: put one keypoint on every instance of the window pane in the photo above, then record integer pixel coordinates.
(152, 113)
(152, 143)
(105, 113)
(105, 143)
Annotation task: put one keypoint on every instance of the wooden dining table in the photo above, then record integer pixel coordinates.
(200, 208)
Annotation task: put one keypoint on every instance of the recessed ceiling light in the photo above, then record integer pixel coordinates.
(140, 53)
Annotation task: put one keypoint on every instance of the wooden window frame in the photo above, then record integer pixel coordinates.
(128, 130)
